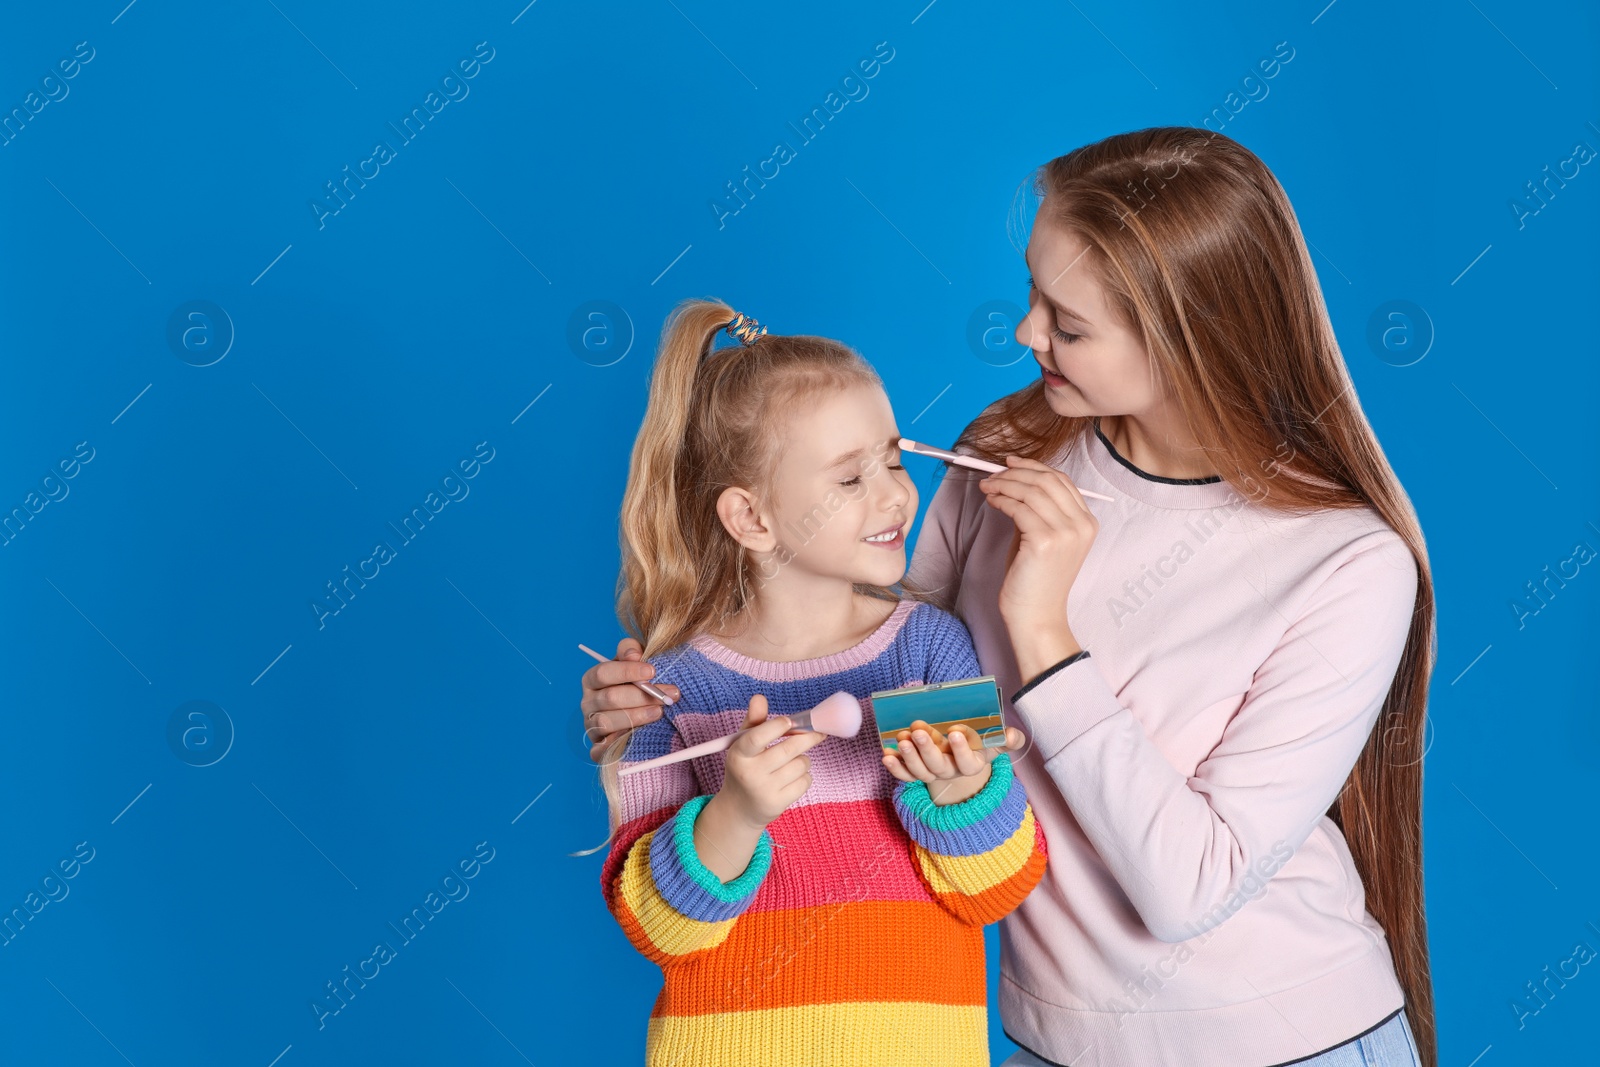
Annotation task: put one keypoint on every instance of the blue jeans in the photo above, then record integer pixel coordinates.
(1388, 1045)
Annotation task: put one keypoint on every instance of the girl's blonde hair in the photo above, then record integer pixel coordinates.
(1201, 255)
(715, 418)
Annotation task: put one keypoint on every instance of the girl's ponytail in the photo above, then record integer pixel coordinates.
(659, 574)
(661, 570)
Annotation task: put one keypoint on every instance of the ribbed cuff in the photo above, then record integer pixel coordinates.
(687, 884)
(1060, 705)
(1048, 671)
(981, 823)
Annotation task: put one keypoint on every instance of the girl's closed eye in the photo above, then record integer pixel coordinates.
(857, 479)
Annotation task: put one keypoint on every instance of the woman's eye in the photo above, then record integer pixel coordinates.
(1060, 334)
(853, 481)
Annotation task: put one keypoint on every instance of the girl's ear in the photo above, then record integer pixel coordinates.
(736, 509)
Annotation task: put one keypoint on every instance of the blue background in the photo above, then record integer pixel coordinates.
(436, 310)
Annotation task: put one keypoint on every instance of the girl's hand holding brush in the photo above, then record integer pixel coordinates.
(760, 780)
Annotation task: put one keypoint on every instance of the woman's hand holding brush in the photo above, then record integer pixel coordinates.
(613, 699)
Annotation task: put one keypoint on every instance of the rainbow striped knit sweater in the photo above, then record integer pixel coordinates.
(855, 935)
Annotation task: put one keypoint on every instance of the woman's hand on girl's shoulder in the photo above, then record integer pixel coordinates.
(953, 776)
(612, 703)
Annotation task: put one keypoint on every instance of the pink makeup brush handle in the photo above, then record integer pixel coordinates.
(704, 748)
(800, 721)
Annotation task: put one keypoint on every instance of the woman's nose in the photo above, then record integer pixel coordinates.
(1031, 333)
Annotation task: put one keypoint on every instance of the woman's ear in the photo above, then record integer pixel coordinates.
(736, 509)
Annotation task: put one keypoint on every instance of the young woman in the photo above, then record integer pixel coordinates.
(1223, 671)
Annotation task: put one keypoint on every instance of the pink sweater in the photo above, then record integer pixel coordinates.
(1199, 907)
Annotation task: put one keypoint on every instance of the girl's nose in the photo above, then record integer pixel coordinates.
(895, 494)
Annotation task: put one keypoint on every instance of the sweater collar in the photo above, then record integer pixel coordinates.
(796, 670)
(1170, 493)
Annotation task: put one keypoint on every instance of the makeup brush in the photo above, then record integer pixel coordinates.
(976, 464)
(646, 686)
(837, 716)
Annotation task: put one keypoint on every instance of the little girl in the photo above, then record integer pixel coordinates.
(804, 909)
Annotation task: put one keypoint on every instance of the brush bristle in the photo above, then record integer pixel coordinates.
(837, 716)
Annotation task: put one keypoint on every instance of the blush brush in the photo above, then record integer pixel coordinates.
(837, 716)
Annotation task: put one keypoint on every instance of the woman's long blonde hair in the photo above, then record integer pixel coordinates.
(1199, 252)
(715, 418)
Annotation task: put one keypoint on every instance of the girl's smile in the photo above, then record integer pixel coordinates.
(895, 543)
